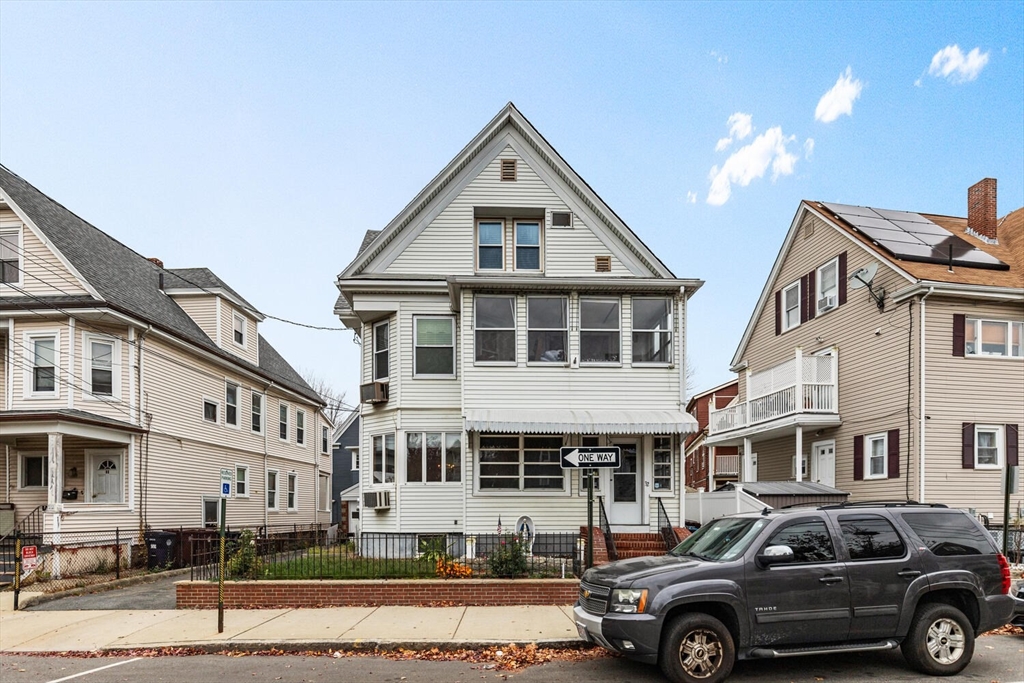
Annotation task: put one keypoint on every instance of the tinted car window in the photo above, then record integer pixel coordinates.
(810, 541)
(869, 537)
(949, 533)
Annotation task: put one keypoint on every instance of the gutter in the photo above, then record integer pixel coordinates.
(921, 473)
(959, 289)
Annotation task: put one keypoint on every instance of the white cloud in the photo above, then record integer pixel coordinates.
(691, 197)
(719, 57)
(751, 162)
(808, 148)
(722, 144)
(952, 64)
(839, 100)
(740, 127)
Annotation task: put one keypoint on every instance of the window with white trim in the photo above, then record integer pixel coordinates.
(384, 459)
(988, 447)
(381, 344)
(300, 427)
(805, 466)
(101, 369)
(600, 331)
(210, 408)
(241, 481)
(10, 257)
(791, 306)
(490, 240)
(41, 375)
(876, 460)
(238, 329)
(231, 404)
(433, 457)
(293, 491)
(324, 492)
(494, 320)
(663, 464)
(355, 458)
(547, 329)
(520, 463)
(272, 489)
(282, 422)
(434, 346)
(827, 285)
(652, 330)
(325, 441)
(211, 511)
(35, 471)
(527, 237)
(993, 338)
(256, 413)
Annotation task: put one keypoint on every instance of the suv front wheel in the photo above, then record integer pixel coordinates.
(697, 648)
(940, 641)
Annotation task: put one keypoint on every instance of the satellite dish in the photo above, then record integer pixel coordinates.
(864, 276)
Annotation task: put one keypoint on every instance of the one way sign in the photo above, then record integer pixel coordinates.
(590, 456)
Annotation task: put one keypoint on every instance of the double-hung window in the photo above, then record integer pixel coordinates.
(434, 342)
(35, 471)
(293, 491)
(791, 306)
(827, 284)
(495, 328)
(993, 338)
(600, 333)
(652, 330)
(876, 454)
(300, 427)
(241, 481)
(384, 459)
(988, 447)
(520, 463)
(10, 257)
(101, 367)
(490, 239)
(433, 457)
(231, 404)
(238, 329)
(527, 245)
(256, 413)
(381, 344)
(325, 441)
(547, 329)
(42, 375)
(282, 422)
(272, 489)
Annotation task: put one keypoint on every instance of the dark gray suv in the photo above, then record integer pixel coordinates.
(852, 577)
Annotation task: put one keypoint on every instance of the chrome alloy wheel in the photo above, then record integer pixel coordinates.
(945, 641)
(700, 653)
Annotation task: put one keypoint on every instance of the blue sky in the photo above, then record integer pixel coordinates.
(262, 139)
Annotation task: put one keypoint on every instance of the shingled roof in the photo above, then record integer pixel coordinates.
(129, 282)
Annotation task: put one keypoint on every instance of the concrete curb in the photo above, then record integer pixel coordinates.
(40, 598)
(353, 645)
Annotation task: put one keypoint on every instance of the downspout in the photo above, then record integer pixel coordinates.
(143, 447)
(920, 495)
(266, 429)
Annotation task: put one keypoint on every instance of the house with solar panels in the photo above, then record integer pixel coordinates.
(884, 356)
(505, 313)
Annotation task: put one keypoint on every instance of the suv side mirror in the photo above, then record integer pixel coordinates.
(774, 554)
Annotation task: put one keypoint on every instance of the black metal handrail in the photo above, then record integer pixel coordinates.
(30, 529)
(606, 528)
(668, 532)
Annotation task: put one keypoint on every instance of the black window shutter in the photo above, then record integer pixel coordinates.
(778, 312)
(858, 458)
(812, 295)
(805, 305)
(959, 323)
(842, 278)
(893, 441)
(1012, 434)
(968, 445)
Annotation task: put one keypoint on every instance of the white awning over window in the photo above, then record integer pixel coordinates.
(563, 421)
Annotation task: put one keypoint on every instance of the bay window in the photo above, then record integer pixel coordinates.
(384, 459)
(433, 457)
(434, 343)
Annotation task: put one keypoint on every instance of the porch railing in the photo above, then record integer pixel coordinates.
(803, 384)
(606, 529)
(668, 533)
(727, 464)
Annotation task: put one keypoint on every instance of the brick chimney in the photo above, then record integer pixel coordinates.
(160, 264)
(981, 208)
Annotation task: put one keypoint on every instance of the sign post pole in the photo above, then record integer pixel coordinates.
(225, 491)
(586, 458)
(590, 518)
(17, 568)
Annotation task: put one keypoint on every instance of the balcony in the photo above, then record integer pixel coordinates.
(802, 390)
(727, 465)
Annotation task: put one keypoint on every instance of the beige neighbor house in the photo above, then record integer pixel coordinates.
(506, 312)
(128, 387)
(884, 356)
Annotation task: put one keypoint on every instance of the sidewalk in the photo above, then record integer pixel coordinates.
(340, 628)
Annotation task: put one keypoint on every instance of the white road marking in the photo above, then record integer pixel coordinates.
(92, 671)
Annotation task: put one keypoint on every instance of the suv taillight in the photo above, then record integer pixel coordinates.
(1004, 568)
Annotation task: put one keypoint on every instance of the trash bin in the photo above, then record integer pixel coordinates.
(161, 548)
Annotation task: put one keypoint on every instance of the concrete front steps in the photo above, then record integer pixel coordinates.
(638, 545)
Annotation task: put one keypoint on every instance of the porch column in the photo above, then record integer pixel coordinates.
(746, 466)
(55, 465)
(799, 453)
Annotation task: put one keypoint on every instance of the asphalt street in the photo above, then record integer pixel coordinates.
(157, 593)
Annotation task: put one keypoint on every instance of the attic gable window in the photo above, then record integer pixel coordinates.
(828, 286)
(508, 170)
(527, 245)
(791, 306)
(10, 259)
(490, 237)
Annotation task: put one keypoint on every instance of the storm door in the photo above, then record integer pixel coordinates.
(625, 500)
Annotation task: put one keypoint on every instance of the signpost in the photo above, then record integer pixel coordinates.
(588, 458)
(225, 493)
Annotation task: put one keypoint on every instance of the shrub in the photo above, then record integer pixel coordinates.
(245, 562)
(508, 559)
(449, 569)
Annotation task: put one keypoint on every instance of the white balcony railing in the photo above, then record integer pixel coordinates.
(804, 384)
(727, 464)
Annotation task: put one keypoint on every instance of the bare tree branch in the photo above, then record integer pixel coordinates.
(336, 409)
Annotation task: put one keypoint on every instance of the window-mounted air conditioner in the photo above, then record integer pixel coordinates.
(377, 500)
(826, 303)
(373, 392)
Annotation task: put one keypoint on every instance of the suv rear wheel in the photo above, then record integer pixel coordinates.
(940, 641)
(697, 648)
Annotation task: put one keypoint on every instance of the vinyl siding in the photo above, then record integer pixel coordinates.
(203, 310)
(24, 359)
(115, 408)
(44, 273)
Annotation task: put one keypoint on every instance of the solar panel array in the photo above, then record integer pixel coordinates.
(912, 237)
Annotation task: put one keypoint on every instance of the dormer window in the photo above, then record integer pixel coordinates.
(238, 330)
(490, 237)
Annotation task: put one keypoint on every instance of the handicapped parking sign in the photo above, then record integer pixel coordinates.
(225, 483)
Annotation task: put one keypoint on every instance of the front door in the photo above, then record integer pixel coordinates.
(105, 478)
(624, 493)
(823, 463)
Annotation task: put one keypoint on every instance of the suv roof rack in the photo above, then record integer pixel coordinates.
(881, 503)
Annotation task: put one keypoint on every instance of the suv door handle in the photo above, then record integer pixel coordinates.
(908, 573)
(830, 579)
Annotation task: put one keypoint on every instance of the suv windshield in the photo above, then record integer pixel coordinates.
(722, 539)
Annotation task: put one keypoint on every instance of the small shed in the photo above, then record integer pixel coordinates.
(780, 494)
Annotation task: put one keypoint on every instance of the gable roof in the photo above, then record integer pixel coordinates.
(725, 385)
(205, 280)
(127, 281)
(509, 116)
(1010, 250)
